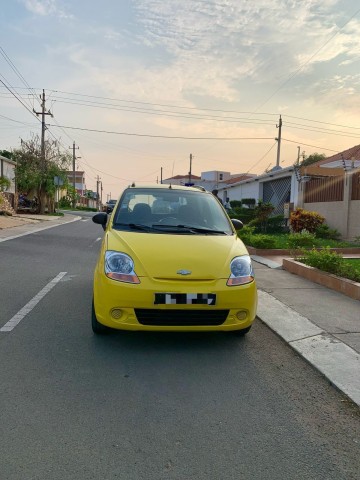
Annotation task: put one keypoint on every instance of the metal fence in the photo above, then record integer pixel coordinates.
(324, 189)
(355, 186)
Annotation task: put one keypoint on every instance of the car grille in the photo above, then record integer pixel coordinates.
(180, 318)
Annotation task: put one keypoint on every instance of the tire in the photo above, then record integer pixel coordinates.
(97, 328)
(243, 332)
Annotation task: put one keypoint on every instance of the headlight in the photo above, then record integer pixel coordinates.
(119, 266)
(241, 271)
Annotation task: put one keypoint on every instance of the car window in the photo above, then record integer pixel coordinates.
(175, 208)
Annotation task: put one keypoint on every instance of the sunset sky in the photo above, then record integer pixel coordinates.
(141, 84)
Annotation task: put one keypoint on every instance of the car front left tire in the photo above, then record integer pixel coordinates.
(97, 327)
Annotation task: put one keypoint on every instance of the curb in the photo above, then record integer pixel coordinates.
(338, 362)
(343, 285)
(30, 230)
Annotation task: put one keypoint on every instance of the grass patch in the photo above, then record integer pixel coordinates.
(332, 262)
(291, 241)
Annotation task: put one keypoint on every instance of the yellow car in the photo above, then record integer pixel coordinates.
(171, 260)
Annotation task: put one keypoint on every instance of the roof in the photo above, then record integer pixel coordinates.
(179, 177)
(352, 153)
(237, 179)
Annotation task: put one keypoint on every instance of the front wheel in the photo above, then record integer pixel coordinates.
(97, 328)
(243, 332)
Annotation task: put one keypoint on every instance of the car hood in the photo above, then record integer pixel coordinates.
(162, 256)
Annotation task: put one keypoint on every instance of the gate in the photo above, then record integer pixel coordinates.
(277, 192)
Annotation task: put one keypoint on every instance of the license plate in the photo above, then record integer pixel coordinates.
(185, 299)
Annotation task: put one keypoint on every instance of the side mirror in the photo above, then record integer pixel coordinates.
(238, 225)
(100, 218)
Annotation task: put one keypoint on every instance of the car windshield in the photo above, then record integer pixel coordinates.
(171, 211)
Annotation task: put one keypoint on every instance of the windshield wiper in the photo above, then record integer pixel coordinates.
(134, 226)
(191, 229)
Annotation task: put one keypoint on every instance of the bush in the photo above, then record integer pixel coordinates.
(256, 240)
(301, 219)
(263, 241)
(64, 203)
(276, 224)
(324, 231)
(303, 239)
(235, 203)
(87, 209)
(4, 184)
(243, 214)
(250, 202)
(323, 259)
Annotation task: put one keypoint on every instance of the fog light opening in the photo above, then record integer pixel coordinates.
(116, 313)
(241, 314)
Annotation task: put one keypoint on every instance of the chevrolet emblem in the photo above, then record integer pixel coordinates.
(183, 272)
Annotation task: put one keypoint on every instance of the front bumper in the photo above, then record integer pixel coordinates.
(123, 306)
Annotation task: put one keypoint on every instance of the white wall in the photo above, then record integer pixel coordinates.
(8, 169)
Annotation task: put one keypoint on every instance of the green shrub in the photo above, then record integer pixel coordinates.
(323, 259)
(259, 240)
(276, 224)
(250, 202)
(243, 214)
(235, 203)
(64, 202)
(4, 184)
(87, 209)
(303, 239)
(324, 231)
(301, 219)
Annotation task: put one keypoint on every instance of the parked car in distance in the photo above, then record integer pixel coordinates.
(110, 205)
(171, 260)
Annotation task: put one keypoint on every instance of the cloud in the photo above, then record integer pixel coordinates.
(46, 8)
(230, 40)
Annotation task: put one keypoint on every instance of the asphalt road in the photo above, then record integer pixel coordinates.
(137, 406)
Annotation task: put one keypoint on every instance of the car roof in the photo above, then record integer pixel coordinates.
(166, 186)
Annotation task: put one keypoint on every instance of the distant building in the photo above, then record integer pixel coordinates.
(7, 169)
(214, 179)
(80, 185)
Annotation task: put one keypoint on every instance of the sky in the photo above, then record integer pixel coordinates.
(139, 85)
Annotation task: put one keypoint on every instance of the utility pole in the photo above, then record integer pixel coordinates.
(190, 169)
(278, 139)
(161, 178)
(74, 168)
(98, 180)
(298, 157)
(43, 128)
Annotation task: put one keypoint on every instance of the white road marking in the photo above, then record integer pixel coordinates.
(98, 239)
(16, 319)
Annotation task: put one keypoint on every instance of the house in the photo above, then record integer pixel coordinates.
(279, 186)
(7, 170)
(77, 178)
(214, 179)
(331, 187)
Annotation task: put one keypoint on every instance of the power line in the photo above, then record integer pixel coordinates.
(163, 136)
(308, 145)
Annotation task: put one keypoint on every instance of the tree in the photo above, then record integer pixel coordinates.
(313, 158)
(6, 154)
(35, 176)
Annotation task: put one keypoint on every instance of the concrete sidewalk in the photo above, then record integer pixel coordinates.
(322, 325)
(24, 224)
